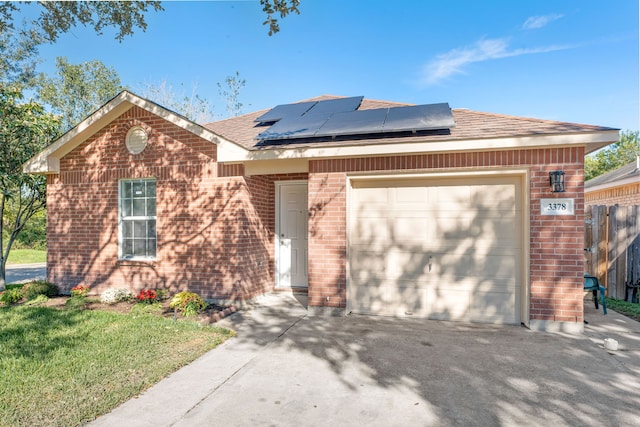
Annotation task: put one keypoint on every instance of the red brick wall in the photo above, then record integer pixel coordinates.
(626, 195)
(556, 243)
(212, 238)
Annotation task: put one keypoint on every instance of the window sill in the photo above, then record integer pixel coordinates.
(137, 262)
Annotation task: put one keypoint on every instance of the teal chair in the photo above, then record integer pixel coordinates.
(591, 284)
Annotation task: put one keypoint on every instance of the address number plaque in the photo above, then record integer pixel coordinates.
(556, 207)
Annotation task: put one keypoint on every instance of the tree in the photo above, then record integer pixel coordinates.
(614, 156)
(78, 90)
(25, 129)
(57, 17)
(283, 7)
(231, 93)
(191, 106)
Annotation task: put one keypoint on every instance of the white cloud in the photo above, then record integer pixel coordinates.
(535, 22)
(455, 61)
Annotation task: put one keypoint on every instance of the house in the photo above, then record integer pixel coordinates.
(372, 207)
(617, 187)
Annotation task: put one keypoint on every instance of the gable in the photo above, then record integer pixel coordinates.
(48, 160)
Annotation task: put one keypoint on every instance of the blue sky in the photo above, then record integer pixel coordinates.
(573, 61)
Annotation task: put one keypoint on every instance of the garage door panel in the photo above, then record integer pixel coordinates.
(443, 249)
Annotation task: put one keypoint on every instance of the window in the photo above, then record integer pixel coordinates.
(137, 219)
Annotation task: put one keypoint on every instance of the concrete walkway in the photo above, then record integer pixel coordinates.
(286, 368)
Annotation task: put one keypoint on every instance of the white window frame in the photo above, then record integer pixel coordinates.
(122, 219)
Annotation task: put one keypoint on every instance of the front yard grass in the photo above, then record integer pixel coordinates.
(26, 256)
(66, 367)
(629, 309)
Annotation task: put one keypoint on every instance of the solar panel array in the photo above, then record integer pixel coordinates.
(338, 117)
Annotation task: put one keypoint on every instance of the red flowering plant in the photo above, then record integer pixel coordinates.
(79, 291)
(148, 296)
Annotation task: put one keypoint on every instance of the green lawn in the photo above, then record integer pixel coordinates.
(66, 367)
(26, 256)
(628, 309)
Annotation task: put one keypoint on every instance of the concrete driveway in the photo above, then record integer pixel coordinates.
(285, 368)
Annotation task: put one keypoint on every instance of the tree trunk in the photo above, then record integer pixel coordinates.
(3, 282)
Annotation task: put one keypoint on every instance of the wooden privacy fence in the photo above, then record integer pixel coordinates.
(612, 248)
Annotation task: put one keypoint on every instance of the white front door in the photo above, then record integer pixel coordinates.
(291, 234)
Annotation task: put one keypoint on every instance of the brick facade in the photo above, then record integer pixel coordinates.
(624, 195)
(215, 226)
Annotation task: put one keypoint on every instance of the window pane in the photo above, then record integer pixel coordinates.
(127, 247)
(140, 229)
(151, 231)
(151, 189)
(127, 229)
(139, 207)
(126, 190)
(126, 207)
(151, 207)
(138, 189)
(152, 247)
(139, 247)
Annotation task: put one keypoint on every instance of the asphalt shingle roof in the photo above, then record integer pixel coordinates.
(624, 172)
(469, 125)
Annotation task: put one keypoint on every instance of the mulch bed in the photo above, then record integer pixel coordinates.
(211, 314)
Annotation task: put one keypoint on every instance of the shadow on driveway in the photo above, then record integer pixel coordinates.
(285, 368)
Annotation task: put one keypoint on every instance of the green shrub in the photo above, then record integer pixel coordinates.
(39, 287)
(147, 308)
(79, 291)
(11, 296)
(188, 303)
(76, 302)
(37, 300)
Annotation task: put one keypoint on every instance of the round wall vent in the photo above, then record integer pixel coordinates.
(136, 140)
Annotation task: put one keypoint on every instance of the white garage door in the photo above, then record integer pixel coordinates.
(447, 249)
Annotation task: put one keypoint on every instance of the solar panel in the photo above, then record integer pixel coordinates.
(419, 117)
(354, 122)
(295, 127)
(331, 118)
(339, 105)
(285, 110)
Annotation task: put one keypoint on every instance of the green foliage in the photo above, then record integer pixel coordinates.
(233, 86)
(39, 287)
(282, 7)
(80, 291)
(33, 235)
(188, 303)
(25, 129)
(629, 309)
(614, 156)
(26, 256)
(38, 300)
(76, 302)
(192, 106)
(77, 90)
(67, 367)
(148, 308)
(56, 18)
(11, 296)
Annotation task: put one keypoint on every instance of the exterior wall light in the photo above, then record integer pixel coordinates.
(556, 180)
